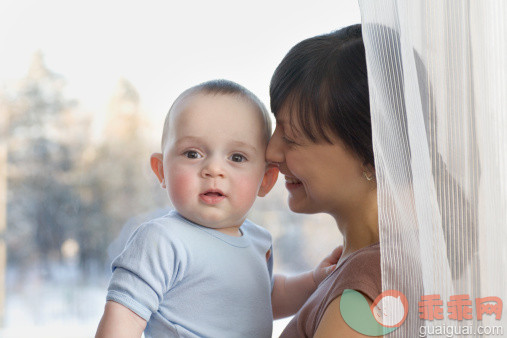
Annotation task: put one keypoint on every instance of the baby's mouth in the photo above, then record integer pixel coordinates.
(214, 193)
(212, 196)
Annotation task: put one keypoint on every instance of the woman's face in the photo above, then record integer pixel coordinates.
(320, 177)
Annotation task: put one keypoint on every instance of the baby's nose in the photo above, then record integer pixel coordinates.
(213, 168)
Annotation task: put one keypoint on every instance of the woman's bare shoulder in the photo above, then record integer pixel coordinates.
(332, 323)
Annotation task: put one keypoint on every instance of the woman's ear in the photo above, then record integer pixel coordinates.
(157, 165)
(269, 180)
(368, 171)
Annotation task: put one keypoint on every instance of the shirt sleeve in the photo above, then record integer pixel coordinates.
(148, 266)
(361, 273)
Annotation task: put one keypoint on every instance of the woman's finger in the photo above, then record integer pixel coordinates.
(335, 255)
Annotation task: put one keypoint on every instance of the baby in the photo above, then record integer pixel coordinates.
(204, 270)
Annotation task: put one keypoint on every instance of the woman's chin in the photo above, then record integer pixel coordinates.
(301, 206)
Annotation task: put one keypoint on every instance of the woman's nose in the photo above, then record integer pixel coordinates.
(212, 168)
(274, 151)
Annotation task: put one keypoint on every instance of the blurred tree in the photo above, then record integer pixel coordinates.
(118, 175)
(3, 203)
(43, 147)
(65, 185)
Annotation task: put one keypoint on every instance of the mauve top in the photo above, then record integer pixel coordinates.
(360, 271)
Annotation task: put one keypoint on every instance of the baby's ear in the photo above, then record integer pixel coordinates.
(268, 181)
(157, 165)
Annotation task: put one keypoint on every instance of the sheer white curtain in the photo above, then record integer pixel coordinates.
(438, 87)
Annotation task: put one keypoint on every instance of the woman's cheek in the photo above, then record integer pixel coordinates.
(292, 165)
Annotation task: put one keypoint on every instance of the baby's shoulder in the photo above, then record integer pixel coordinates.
(251, 229)
(166, 227)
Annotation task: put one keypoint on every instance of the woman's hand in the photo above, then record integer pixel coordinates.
(290, 293)
(327, 265)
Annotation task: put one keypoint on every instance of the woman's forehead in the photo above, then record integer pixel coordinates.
(286, 117)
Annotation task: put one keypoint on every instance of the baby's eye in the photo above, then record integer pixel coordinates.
(192, 154)
(237, 158)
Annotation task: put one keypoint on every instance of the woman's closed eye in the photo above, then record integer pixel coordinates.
(288, 140)
(192, 154)
(237, 158)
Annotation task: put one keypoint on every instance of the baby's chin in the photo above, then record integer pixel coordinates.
(225, 229)
(216, 223)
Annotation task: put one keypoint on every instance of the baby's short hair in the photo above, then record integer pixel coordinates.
(223, 87)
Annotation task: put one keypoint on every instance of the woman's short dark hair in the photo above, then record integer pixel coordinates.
(323, 80)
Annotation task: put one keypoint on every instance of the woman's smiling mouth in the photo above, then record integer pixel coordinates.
(292, 183)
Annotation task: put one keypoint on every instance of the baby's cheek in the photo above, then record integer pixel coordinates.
(247, 188)
(180, 187)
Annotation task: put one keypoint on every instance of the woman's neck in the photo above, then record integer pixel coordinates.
(359, 226)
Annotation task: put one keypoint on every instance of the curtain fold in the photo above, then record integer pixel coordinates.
(438, 94)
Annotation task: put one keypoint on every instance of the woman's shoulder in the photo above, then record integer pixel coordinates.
(363, 261)
(359, 271)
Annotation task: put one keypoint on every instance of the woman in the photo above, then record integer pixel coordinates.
(323, 145)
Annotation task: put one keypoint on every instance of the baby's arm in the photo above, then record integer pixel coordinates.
(138, 282)
(290, 293)
(119, 321)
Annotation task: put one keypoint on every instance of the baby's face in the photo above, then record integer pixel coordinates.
(214, 159)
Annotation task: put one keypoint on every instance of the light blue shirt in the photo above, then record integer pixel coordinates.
(187, 280)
